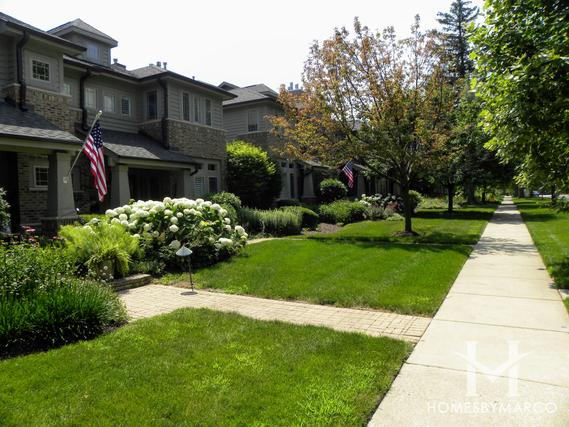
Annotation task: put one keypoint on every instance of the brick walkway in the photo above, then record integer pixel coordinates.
(152, 300)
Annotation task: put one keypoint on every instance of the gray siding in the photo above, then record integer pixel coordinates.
(104, 57)
(55, 60)
(175, 91)
(7, 60)
(235, 119)
(115, 120)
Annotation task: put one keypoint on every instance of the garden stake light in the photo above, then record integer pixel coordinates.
(185, 252)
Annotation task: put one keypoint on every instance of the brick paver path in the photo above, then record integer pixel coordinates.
(152, 300)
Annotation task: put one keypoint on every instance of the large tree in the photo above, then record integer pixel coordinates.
(522, 69)
(371, 97)
(455, 32)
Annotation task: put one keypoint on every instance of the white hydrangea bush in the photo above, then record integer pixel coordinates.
(166, 225)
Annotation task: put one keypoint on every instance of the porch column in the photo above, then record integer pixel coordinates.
(120, 190)
(60, 203)
(308, 186)
(184, 184)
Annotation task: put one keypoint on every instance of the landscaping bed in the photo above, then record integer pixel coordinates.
(199, 367)
(464, 226)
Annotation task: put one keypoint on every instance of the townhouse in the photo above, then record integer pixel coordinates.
(163, 131)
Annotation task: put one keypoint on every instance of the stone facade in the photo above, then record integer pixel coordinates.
(52, 106)
(153, 129)
(196, 141)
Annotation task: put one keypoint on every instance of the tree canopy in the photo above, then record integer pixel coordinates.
(374, 98)
(522, 76)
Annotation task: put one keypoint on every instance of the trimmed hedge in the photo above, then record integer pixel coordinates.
(344, 212)
(272, 222)
(310, 219)
(332, 189)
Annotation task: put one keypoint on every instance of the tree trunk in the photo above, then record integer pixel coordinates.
(450, 192)
(553, 195)
(483, 195)
(407, 209)
(469, 190)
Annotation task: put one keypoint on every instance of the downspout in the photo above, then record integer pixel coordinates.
(82, 81)
(165, 140)
(20, 70)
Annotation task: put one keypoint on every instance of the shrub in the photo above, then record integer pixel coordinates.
(273, 222)
(252, 175)
(343, 211)
(415, 199)
(287, 202)
(164, 226)
(42, 306)
(433, 203)
(310, 219)
(4, 210)
(225, 198)
(332, 189)
(103, 249)
(281, 223)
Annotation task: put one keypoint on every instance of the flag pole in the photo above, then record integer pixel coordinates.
(97, 117)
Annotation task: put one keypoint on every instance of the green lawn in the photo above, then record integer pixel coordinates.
(398, 277)
(550, 232)
(464, 226)
(199, 367)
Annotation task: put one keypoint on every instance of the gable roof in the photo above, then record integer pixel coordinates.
(253, 93)
(83, 27)
(22, 26)
(29, 125)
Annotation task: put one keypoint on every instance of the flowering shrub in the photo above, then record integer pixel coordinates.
(163, 227)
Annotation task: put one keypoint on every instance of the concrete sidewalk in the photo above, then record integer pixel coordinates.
(497, 352)
(152, 300)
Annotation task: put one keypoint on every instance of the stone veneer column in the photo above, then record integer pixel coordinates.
(308, 186)
(120, 190)
(184, 184)
(60, 204)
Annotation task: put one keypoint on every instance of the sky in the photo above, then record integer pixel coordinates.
(242, 42)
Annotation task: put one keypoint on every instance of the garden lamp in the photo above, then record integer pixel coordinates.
(186, 252)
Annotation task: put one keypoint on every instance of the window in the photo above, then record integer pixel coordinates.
(208, 112)
(151, 105)
(125, 106)
(40, 70)
(291, 176)
(213, 184)
(41, 174)
(90, 98)
(211, 167)
(186, 106)
(67, 89)
(92, 51)
(109, 103)
(196, 109)
(199, 186)
(252, 122)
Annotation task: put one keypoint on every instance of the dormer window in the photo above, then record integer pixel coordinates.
(40, 70)
(92, 51)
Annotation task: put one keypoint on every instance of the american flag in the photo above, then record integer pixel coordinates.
(347, 169)
(93, 148)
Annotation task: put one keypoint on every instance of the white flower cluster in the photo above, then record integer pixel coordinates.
(177, 222)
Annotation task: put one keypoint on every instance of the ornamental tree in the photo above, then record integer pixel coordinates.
(373, 98)
(522, 71)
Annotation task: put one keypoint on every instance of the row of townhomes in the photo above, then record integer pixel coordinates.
(164, 133)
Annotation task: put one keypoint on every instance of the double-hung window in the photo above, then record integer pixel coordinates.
(197, 109)
(208, 112)
(152, 105)
(109, 103)
(125, 105)
(40, 177)
(90, 98)
(252, 121)
(186, 106)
